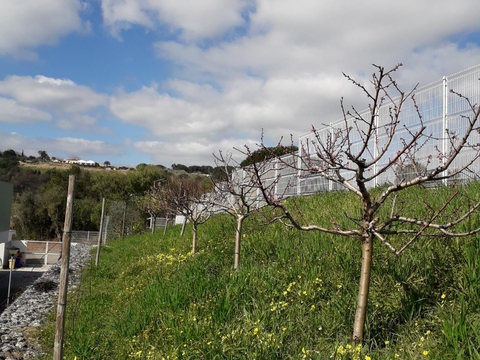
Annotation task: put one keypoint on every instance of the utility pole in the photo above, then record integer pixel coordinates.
(62, 292)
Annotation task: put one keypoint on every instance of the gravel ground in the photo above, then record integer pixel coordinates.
(29, 310)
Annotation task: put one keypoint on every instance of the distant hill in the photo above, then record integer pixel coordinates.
(43, 166)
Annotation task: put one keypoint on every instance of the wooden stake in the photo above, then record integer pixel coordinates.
(100, 234)
(166, 224)
(123, 222)
(62, 292)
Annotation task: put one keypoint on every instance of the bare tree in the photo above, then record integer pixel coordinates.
(153, 203)
(186, 196)
(362, 149)
(238, 194)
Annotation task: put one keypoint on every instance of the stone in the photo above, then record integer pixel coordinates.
(32, 306)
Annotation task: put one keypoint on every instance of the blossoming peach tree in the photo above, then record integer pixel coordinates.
(362, 149)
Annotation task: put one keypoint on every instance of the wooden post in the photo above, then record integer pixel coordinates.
(62, 291)
(154, 222)
(100, 233)
(105, 235)
(166, 224)
(123, 222)
(183, 226)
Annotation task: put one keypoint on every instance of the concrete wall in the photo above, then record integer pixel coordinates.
(4, 254)
(6, 196)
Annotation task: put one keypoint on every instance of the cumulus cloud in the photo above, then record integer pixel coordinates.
(82, 123)
(165, 115)
(284, 73)
(60, 147)
(286, 39)
(12, 111)
(190, 18)
(199, 113)
(241, 66)
(190, 152)
(26, 24)
(87, 147)
(51, 94)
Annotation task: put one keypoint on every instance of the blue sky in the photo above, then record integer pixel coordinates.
(171, 81)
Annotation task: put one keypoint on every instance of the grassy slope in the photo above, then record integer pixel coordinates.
(293, 298)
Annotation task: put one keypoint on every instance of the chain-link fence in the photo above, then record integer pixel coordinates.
(122, 218)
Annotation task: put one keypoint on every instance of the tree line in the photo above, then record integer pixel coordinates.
(39, 196)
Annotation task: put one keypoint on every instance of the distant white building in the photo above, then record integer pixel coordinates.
(86, 162)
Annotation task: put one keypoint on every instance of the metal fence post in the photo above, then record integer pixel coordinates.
(445, 122)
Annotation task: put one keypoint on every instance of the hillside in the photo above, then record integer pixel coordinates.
(44, 166)
(293, 297)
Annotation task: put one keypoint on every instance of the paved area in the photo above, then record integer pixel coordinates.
(21, 278)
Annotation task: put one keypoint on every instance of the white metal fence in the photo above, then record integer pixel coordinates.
(88, 237)
(441, 111)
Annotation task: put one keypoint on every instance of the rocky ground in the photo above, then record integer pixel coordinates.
(29, 310)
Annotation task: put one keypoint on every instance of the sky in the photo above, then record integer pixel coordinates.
(173, 81)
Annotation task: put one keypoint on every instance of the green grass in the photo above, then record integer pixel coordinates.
(294, 296)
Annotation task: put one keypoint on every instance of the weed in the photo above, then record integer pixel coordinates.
(293, 297)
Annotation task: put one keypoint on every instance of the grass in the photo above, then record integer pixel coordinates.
(294, 296)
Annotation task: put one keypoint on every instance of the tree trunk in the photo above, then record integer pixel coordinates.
(194, 238)
(238, 239)
(363, 290)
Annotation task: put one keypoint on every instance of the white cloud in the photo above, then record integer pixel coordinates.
(285, 73)
(431, 63)
(26, 24)
(82, 123)
(51, 94)
(280, 68)
(11, 111)
(192, 18)
(59, 147)
(203, 115)
(164, 115)
(87, 147)
(287, 39)
(190, 153)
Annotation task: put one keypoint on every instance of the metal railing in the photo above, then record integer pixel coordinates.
(442, 112)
